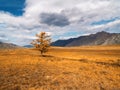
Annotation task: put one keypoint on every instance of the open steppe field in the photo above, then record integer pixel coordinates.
(68, 68)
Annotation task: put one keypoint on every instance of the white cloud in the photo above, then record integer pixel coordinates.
(81, 15)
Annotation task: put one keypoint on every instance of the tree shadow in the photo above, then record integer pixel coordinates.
(84, 60)
(46, 56)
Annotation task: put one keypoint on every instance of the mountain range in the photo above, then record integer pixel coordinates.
(100, 38)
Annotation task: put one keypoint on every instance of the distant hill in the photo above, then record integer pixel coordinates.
(100, 38)
(28, 46)
(8, 46)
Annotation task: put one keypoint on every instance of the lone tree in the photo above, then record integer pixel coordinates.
(42, 43)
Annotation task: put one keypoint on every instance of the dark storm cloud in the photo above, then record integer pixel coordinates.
(54, 19)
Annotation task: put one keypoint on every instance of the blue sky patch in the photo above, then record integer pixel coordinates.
(104, 21)
(14, 7)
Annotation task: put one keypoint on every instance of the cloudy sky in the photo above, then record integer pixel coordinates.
(20, 20)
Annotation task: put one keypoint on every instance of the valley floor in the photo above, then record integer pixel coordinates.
(69, 68)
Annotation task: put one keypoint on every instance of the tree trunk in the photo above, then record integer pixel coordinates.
(41, 53)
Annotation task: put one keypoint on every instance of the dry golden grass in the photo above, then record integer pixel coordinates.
(70, 68)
